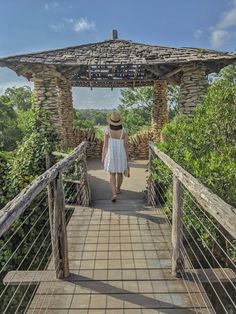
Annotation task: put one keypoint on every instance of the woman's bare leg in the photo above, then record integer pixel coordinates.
(119, 180)
(113, 183)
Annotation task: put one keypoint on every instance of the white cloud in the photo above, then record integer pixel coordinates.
(228, 19)
(68, 19)
(198, 34)
(51, 5)
(224, 30)
(58, 27)
(82, 25)
(79, 25)
(219, 37)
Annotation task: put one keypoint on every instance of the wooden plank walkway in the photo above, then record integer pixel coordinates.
(120, 262)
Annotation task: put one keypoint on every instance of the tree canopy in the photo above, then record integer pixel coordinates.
(136, 105)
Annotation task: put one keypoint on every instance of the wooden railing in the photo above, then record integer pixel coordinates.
(212, 204)
(52, 179)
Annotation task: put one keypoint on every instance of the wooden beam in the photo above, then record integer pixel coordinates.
(224, 213)
(154, 70)
(34, 277)
(213, 275)
(116, 83)
(71, 72)
(171, 73)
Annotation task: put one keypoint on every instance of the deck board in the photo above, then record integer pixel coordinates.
(120, 259)
(119, 270)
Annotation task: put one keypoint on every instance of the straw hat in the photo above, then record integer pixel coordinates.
(114, 119)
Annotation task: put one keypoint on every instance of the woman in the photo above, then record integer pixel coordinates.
(115, 152)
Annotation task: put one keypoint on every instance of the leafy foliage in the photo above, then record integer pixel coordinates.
(14, 105)
(19, 169)
(205, 146)
(9, 129)
(88, 118)
(136, 106)
(19, 98)
(29, 159)
(229, 73)
(4, 169)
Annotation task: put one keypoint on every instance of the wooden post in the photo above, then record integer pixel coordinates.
(85, 189)
(177, 228)
(149, 177)
(50, 189)
(58, 227)
(77, 176)
(83, 197)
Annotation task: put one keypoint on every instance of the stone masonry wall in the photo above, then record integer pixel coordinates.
(193, 84)
(53, 93)
(138, 144)
(159, 109)
(66, 112)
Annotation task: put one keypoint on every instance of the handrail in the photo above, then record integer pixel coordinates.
(16, 206)
(224, 213)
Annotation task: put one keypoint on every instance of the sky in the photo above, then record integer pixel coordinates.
(37, 25)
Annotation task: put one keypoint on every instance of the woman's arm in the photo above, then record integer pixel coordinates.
(126, 143)
(105, 146)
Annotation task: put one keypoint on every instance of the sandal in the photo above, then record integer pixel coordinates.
(113, 198)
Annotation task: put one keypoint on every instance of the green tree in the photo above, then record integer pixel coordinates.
(19, 98)
(136, 105)
(17, 171)
(229, 73)
(14, 106)
(204, 145)
(9, 129)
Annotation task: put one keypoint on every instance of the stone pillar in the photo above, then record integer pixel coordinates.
(53, 93)
(47, 96)
(66, 113)
(193, 84)
(159, 109)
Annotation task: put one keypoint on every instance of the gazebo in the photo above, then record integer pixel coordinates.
(116, 63)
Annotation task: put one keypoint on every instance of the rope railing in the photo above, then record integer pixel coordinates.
(203, 230)
(33, 229)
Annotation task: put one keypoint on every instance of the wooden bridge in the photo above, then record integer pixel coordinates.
(104, 257)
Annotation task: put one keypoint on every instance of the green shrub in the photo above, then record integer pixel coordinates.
(204, 145)
(17, 171)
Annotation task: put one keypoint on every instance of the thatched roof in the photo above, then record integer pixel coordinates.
(119, 63)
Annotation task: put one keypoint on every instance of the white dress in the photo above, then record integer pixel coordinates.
(116, 158)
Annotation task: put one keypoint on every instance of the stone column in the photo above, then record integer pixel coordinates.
(53, 93)
(46, 94)
(193, 84)
(66, 113)
(159, 109)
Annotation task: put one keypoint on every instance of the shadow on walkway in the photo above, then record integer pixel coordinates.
(126, 295)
